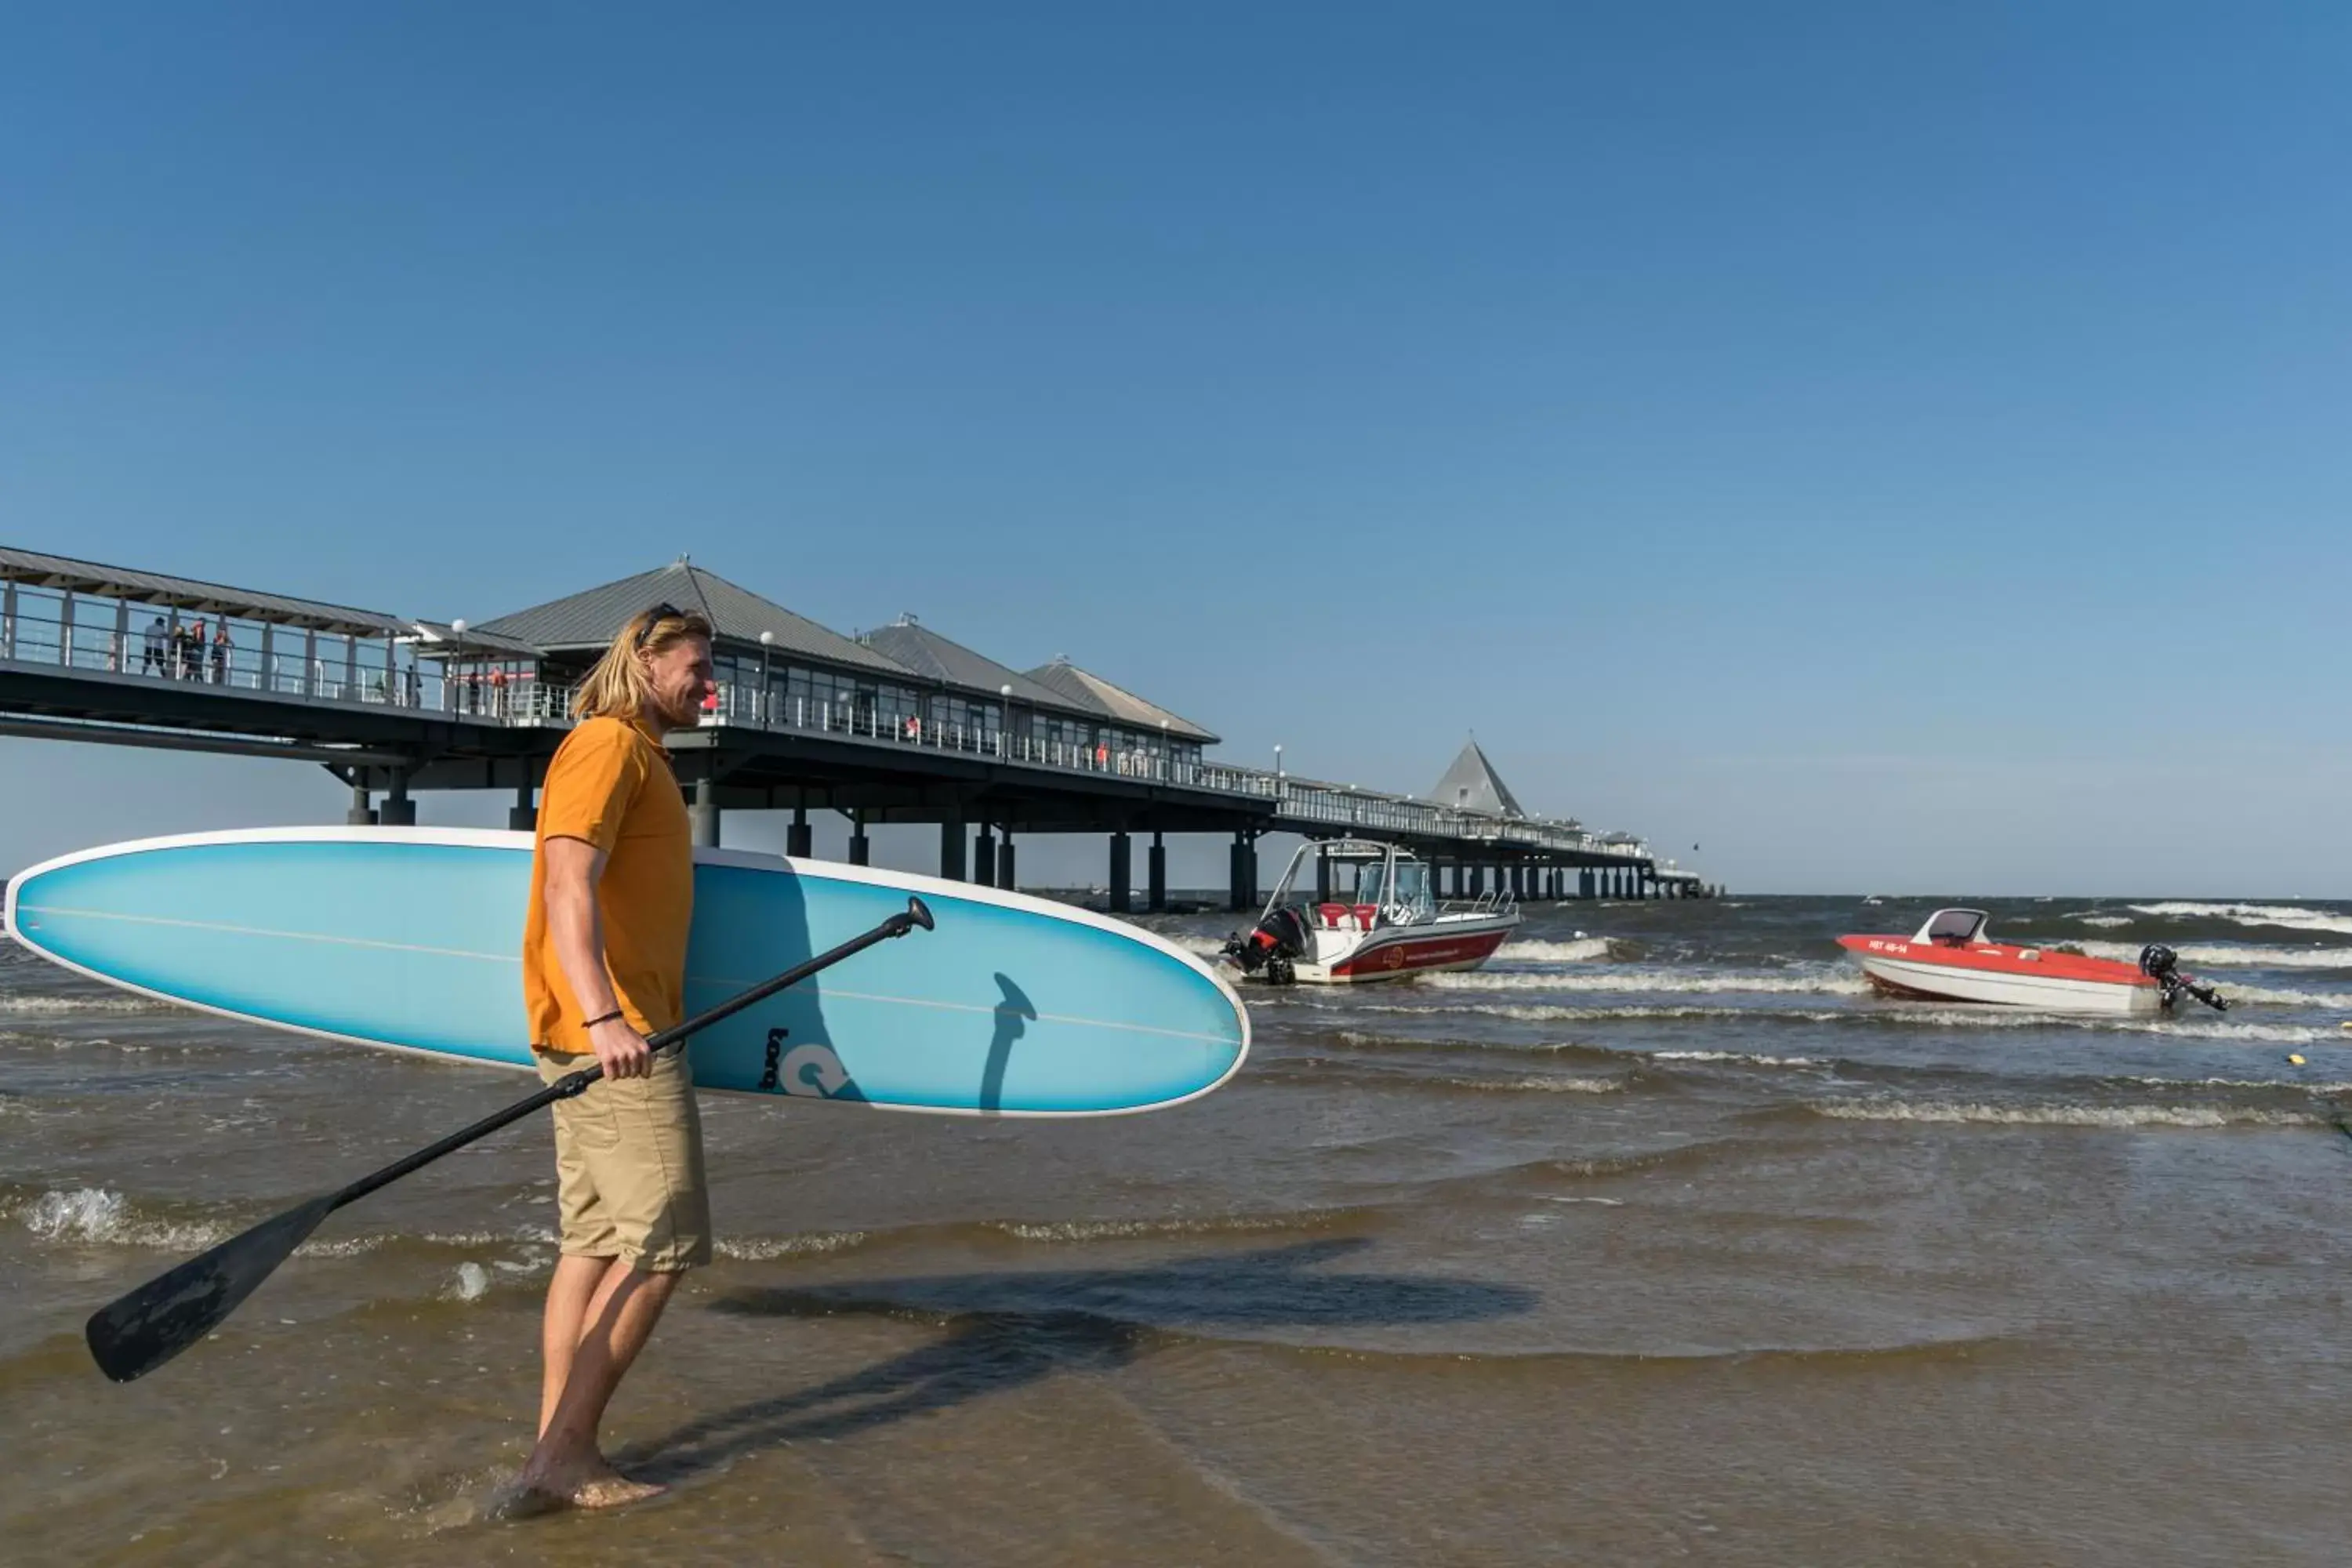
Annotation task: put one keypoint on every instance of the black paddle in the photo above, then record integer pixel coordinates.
(134, 1335)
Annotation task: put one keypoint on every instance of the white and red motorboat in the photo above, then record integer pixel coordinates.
(1951, 958)
(1369, 913)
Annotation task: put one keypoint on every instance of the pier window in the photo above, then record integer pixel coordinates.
(828, 698)
(895, 710)
(962, 719)
(1064, 738)
(824, 697)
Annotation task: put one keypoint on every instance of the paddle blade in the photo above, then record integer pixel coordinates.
(137, 1333)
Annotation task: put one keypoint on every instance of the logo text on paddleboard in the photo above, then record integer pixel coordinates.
(814, 1071)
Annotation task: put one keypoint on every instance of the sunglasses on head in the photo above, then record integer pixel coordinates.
(664, 611)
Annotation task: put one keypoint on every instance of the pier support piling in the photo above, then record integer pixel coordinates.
(951, 863)
(522, 817)
(399, 810)
(984, 857)
(705, 814)
(861, 849)
(1122, 867)
(360, 815)
(799, 841)
(1156, 877)
(1004, 877)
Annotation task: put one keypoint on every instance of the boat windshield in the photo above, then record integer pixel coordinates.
(1355, 872)
(1952, 927)
(1409, 891)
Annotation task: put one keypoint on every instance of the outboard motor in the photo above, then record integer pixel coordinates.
(2161, 964)
(1274, 945)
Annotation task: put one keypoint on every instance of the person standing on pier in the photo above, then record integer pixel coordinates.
(159, 631)
(604, 966)
(221, 646)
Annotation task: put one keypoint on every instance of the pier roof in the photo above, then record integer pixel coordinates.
(1472, 784)
(587, 621)
(439, 639)
(1096, 695)
(924, 651)
(191, 594)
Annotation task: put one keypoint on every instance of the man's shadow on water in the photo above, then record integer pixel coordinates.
(1009, 1330)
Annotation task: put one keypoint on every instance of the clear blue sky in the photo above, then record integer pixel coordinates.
(1898, 446)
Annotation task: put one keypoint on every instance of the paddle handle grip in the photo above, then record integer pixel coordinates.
(913, 915)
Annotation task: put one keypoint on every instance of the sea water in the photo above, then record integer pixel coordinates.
(1660, 1238)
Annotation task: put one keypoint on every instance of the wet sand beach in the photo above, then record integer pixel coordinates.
(1658, 1240)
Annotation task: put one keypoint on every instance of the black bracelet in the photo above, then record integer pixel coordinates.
(607, 1018)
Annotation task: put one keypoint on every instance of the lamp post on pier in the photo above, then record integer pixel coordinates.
(767, 641)
(452, 695)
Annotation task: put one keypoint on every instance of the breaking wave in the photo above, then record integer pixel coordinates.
(1747, 1059)
(810, 1243)
(2287, 917)
(2297, 1084)
(1171, 1225)
(2117, 1116)
(2337, 1001)
(1322, 1075)
(1697, 983)
(10, 1004)
(1906, 1014)
(2230, 955)
(1583, 950)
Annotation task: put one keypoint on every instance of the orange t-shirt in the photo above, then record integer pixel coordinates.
(611, 784)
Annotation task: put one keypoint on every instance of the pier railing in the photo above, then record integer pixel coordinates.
(275, 661)
(1296, 801)
(81, 633)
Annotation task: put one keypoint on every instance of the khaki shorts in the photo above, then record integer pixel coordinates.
(628, 1166)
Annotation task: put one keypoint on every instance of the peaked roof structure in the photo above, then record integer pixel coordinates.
(910, 642)
(439, 639)
(1472, 785)
(191, 594)
(586, 621)
(1091, 693)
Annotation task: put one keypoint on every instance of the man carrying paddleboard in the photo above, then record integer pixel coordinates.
(604, 966)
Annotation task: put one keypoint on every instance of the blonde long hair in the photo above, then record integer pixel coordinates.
(617, 685)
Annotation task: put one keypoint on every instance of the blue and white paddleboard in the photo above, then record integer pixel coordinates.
(411, 939)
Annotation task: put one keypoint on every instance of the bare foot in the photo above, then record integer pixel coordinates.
(590, 1482)
(615, 1490)
(515, 1501)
